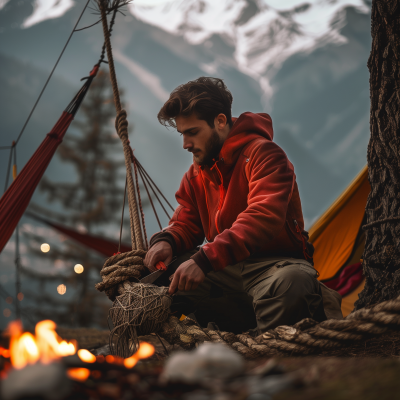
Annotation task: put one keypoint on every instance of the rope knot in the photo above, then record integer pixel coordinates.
(119, 268)
(121, 124)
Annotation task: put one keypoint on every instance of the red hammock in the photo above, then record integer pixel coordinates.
(15, 200)
(98, 243)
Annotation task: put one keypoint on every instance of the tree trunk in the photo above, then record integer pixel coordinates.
(382, 253)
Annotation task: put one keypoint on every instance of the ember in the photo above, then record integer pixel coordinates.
(86, 356)
(145, 350)
(78, 374)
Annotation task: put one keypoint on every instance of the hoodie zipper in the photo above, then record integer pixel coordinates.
(208, 235)
(221, 195)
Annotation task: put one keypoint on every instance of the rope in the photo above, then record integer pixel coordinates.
(151, 180)
(149, 197)
(119, 268)
(122, 129)
(381, 221)
(140, 203)
(305, 337)
(154, 192)
(122, 220)
(9, 166)
(141, 310)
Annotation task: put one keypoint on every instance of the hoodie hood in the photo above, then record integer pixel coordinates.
(245, 129)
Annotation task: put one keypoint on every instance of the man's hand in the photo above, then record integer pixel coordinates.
(161, 251)
(187, 277)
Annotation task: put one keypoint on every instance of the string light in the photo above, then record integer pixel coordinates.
(61, 289)
(78, 268)
(45, 247)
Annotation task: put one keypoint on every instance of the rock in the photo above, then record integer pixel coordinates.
(101, 351)
(38, 381)
(213, 361)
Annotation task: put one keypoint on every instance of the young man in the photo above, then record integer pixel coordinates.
(241, 195)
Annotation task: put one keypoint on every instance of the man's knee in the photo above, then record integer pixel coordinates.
(286, 297)
(291, 287)
(293, 282)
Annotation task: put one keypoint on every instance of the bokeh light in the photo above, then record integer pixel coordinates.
(9, 300)
(78, 268)
(45, 247)
(61, 289)
(20, 296)
(7, 312)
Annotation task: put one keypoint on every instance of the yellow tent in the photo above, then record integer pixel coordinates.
(339, 242)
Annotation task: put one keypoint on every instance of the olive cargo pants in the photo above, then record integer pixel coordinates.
(258, 292)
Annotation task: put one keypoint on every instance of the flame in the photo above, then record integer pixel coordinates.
(145, 350)
(86, 356)
(66, 349)
(46, 346)
(78, 374)
(24, 351)
(50, 345)
(4, 352)
(130, 362)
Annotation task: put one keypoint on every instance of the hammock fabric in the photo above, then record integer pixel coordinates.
(339, 242)
(103, 246)
(15, 200)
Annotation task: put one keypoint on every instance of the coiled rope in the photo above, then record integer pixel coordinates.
(304, 338)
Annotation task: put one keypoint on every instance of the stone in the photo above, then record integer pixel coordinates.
(38, 381)
(210, 361)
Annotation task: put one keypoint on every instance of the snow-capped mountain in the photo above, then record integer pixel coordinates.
(304, 63)
(262, 35)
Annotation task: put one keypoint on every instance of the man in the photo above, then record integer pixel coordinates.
(241, 195)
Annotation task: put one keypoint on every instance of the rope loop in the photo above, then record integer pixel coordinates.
(119, 268)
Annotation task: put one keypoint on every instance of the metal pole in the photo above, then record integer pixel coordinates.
(17, 275)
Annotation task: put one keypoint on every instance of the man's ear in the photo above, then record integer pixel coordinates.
(220, 121)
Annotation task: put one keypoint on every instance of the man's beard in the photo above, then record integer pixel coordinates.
(212, 149)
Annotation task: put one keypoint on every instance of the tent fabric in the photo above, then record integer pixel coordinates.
(14, 201)
(349, 300)
(339, 241)
(101, 245)
(349, 278)
(336, 233)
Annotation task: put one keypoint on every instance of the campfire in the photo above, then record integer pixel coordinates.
(35, 364)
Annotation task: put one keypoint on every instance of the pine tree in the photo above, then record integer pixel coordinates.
(92, 202)
(382, 253)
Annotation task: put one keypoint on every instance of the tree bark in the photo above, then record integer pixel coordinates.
(382, 251)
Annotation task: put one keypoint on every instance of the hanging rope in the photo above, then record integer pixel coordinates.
(121, 125)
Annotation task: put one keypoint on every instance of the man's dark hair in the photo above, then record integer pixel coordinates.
(206, 97)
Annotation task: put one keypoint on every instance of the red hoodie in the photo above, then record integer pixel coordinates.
(246, 203)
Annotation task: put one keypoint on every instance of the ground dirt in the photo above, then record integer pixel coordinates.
(365, 370)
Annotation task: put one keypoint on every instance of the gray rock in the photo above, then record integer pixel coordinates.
(210, 361)
(48, 382)
(101, 351)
